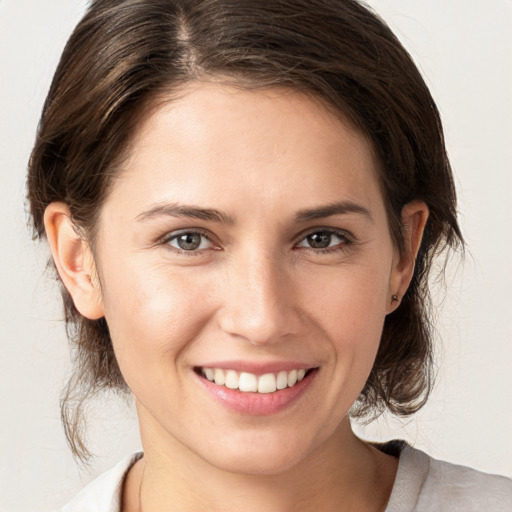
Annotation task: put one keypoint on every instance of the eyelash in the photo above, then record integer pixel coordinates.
(173, 236)
(346, 238)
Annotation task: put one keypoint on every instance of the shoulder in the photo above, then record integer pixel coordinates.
(103, 494)
(461, 488)
(424, 484)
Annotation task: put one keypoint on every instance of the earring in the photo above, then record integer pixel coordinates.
(394, 298)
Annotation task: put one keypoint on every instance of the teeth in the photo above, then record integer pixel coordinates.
(232, 379)
(267, 383)
(292, 378)
(209, 374)
(282, 380)
(219, 377)
(250, 383)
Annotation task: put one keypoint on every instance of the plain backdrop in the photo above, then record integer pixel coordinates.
(463, 49)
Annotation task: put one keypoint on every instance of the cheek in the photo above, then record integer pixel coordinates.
(351, 312)
(353, 302)
(152, 317)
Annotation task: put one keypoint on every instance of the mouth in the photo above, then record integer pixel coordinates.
(257, 388)
(246, 382)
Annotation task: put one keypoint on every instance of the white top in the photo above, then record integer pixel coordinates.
(422, 484)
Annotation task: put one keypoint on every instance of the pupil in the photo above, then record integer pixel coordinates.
(319, 240)
(189, 241)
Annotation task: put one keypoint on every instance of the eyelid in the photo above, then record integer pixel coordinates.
(349, 238)
(165, 239)
(345, 235)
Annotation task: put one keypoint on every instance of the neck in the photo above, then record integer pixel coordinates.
(342, 474)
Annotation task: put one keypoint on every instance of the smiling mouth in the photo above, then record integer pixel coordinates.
(251, 383)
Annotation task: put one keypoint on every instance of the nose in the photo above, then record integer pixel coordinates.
(258, 300)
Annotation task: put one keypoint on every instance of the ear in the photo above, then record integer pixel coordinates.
(74, 261)
(414, 219)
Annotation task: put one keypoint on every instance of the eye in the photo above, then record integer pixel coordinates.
(324, 239)
(189, 241)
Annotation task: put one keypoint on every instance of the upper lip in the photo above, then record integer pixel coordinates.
(258, 368)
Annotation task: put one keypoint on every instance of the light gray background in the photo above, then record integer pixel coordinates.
(464, 50)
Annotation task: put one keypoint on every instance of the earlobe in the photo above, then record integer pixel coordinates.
(414, 219)
(74, 261)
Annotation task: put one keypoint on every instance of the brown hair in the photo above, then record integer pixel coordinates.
(124, 53)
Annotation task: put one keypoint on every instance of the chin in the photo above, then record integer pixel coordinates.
(260, 456)
(260, 466)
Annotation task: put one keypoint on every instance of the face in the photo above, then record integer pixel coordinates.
(245, 245)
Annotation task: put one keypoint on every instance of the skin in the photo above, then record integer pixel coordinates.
(255, 290)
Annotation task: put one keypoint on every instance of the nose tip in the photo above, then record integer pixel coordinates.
(258, 304)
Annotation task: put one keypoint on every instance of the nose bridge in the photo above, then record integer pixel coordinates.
(257, 301)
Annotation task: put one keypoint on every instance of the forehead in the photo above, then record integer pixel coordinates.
(216, 140)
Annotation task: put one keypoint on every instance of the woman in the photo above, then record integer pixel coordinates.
(243, 202)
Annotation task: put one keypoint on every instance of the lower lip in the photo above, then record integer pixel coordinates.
(258, 404)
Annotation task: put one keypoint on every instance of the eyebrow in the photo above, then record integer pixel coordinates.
(213, 215)
(339, 208)
(187, 211)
